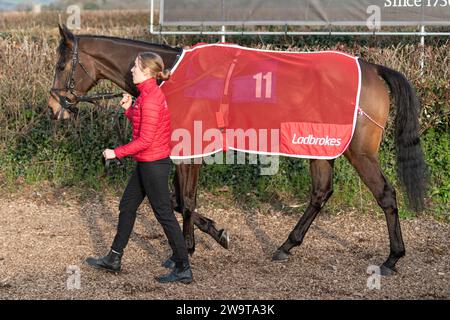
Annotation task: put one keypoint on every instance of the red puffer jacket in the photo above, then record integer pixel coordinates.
(151, 125)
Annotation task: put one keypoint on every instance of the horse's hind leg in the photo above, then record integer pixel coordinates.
(370, 172)
(322, 188)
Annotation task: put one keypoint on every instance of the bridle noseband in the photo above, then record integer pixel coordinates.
(70, 86)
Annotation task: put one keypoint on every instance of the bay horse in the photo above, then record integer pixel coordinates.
(85, 59)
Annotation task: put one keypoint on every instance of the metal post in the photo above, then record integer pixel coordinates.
(151, 16)
(422, 47)
(222, 38)
(223, 35)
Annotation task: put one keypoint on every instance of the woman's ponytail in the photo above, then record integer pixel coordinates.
(163, 75)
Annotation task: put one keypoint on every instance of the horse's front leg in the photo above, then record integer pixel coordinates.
(322, 188)
(205, 224)
(209, 226)
(185, 199)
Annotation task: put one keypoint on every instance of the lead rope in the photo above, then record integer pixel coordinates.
(361, 112)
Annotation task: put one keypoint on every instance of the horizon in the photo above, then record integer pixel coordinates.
(26, 5)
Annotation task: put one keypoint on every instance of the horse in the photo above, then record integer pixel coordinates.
(85, 59)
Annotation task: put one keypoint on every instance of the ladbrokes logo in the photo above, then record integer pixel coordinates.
(319, 141)
(315, 140)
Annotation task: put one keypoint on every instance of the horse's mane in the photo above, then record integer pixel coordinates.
(62, 45)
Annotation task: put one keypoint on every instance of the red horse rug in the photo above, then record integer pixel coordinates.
(227, 97)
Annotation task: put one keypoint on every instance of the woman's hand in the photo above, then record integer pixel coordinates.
(126, 101)
(109, 154)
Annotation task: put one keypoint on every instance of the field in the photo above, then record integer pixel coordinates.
(57, 207)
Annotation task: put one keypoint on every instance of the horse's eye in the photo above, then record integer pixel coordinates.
(61, 66)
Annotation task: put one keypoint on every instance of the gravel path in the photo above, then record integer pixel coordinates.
(41, 235)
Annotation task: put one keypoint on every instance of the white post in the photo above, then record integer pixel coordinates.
(422, 45)
(222, 38)
(223, 35)
(151, 16)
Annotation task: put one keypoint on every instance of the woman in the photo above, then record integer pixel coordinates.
(150, 149)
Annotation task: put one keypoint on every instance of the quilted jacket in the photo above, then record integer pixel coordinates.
(151, 125)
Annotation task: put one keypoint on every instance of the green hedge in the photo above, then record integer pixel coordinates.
(34, 149)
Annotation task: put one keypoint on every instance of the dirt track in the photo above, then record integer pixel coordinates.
(40, 236)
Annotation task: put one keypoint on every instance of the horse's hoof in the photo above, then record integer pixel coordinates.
(190, 248)
(280, 255)
(386, 271)
(224, 239)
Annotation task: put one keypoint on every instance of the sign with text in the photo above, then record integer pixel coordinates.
(305, 12)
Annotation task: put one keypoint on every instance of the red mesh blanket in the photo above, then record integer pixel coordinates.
(299, 104)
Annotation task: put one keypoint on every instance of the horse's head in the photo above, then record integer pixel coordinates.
(75, 74)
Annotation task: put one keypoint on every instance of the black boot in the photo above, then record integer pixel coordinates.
(181, 273)
(110, 262)
(169, 263)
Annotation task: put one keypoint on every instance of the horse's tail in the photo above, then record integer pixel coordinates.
(411, 167)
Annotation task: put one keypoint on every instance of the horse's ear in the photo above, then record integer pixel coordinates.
(66, 35)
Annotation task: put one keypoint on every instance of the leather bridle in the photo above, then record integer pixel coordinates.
(70, 87)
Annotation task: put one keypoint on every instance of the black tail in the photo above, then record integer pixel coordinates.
(411, 167)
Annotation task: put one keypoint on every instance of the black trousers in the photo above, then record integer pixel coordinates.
(150, 179)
